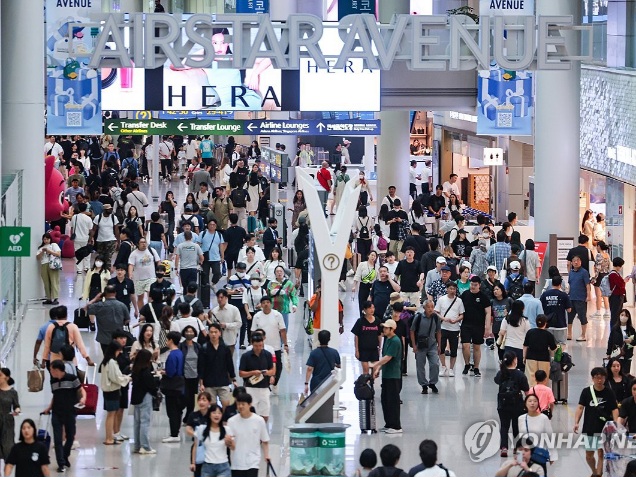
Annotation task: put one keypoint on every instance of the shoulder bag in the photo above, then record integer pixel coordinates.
(539, 455)
(423, 341)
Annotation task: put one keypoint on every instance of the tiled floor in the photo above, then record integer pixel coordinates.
(445, 417)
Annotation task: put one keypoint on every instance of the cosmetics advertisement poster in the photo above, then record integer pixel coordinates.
(73, 101)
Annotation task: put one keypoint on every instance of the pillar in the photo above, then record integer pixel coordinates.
(557, 148)
(394, 155)
(369, 154)
(22, 129)
(311, 7)
(620, 33)
(279, 10)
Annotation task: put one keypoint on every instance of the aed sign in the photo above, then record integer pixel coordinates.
(15, 241)
(506, 7)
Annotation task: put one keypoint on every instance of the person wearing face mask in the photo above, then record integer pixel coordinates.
(190, 350)
(252, 300)
(96, 280)
(163, 285)
(621, 339)
(105, 234)
(271, 237)
(365, 193)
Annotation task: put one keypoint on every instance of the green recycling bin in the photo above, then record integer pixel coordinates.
(303, 449)
(331, 451)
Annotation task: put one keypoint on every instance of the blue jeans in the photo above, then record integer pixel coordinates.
(216, 470)
(143, 414)
(63, 423)
(286, 320)
(156, 245)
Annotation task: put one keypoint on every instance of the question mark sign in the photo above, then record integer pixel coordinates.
(331, 261)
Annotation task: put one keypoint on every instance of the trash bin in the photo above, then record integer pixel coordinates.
(331, 451)
(303, 449)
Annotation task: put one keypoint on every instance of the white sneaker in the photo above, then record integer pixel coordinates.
(607, 315)
(275, 390)
(393, 431)
(75, 445)
(597, 314)
(350, 273)
(342, 286)
(143, 451)
(442, 371)
(170, 439)
(118, 438)
(122, 436)
(451, 372)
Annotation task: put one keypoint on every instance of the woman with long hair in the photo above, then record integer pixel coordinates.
(253, 189)
(365, 275)
(587, 227)
(453, 205)
(535, 423)
(168, 207)
(512, 383)
(96, 279)
(212, 438)
(364, 226)
(417, 214)
(513, 331)
(339, 187)
(618, 380)
(9, 408)
(190, 349)
(196, 419)
(500, 306)
(225, 170)
(47, 252)
(144, 388)
(382, 218)
(29, 456)
(451, 261)
(190, 200)
(463, 282)
(621, 341)
(146, 341)
(165, 322)
(112, 381)
(299, 205)
(134, 224)
(602, 266)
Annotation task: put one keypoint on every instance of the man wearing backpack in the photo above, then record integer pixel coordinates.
(105, 234)
(515, 281)
(129, 168)
(426, 334)
(240, 197)
(137, 199)
(110, 159)
(452, 234)
(60, 333)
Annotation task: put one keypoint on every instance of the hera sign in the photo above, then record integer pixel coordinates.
(160, 37)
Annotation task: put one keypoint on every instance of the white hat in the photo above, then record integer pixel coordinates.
(515, 265)
(440, 260)
(491, 267)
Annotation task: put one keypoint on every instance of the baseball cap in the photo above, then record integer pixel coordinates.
(466, 264)
(188, 207)
(475, 279)
(440, 260)
(205, 203)
(491, 267)
(395, 296)
(446, 268)
(255, 276)
(515, 265)
(241, 266)
(389, 324)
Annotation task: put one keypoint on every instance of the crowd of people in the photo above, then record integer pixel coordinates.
(420, 277)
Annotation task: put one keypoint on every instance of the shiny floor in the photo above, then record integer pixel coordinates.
(462, 401)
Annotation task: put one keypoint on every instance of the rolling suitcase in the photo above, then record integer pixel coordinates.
(252, 225)
(366, 415)
(81, 319)
(43, 432)
(560, 390)
(92, 394)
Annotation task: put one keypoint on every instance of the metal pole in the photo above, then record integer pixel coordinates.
(154, 184)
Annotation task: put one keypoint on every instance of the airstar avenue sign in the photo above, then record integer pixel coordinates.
(158, 37)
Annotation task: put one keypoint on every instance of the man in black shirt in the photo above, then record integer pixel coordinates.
(381, 291)
(301, 269)
(436, 204)
(627, 411)
(408, 272)
(163, 285)
(599, 403)
(258, 370)
(66, 389)
(583, 252)
(215, 367)
(475, 325)
(124, 287)
(416, 241)
(429, 259)
(234, 237)
(396, 219)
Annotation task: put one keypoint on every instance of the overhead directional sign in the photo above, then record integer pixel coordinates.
(258, 127)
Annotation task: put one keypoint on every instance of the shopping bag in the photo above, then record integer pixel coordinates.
(35, 379)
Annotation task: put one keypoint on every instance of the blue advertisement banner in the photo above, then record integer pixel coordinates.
(505, 102)
(349, 7)
(73, 102)
(252, 6)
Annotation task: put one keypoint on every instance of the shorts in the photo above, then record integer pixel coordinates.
(123, 398)
(579, 307)
(223, 393)
(111, 401)
(143, 286)
(260, 400)
(450, 337)
(367, 355)
(216, 470)
(598, 279)
(208, 161)
(593, 442)
(472, 335)
(560, 335)
(230, 260)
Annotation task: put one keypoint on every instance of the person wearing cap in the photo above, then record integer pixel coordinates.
(125, 288)
(382, 290)
(236, 286)
(489, 281)
(514, 257)
(438, 288)
(390, 365)
(450, 309)
(397, 298)
(461, 245)
(105, 234)
(477, 324)
(477, 258)
(436, 273)
(515, 281)
(186, 227)
(163, 285)
(389, 199)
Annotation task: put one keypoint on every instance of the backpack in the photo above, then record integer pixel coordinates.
(364, 230)
(363, 388)
(129, 169)
(383, 245)
(239, 198)
(59, 337)
(515, 290)
(606, 289)
(508, 396)
(447, 236)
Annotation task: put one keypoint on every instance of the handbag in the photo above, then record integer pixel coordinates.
(35, 379)
(55, 263)
(422, 342)
(156, 401)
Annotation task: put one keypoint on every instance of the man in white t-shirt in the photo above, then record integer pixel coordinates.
(415, 179)
(429, 466)
(52, 148)
(137, 199)
(450, 309)
(165, 157)
(259, 256)
(81, 225)
(271, 321)
(390, 198)
(186, 319)
(246, 436)
(451, 187)
(142, 264)
(105, 234)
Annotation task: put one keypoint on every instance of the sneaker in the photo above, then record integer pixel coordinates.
(242, 347)
(466, 369)
(434, 388)
(61, 469)
(404, 374)
(598, 314)
(424, 390)
(503, 452)
(382, 429)
(118, 437)
(477, 373)
(451, 372)
(143, 451)
(472, 370)
(394, 431)
(342, 286)
(170, 439)
(607, 315)
(581, 338)
(275, 390)
(350, 273)
(75, 445)
(442, 371)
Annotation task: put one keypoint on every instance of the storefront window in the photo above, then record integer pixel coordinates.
(594, 12)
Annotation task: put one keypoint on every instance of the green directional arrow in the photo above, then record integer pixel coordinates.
(172, 126)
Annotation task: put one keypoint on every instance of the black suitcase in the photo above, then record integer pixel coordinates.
(203, 290)
(81, 319)
(560, 390)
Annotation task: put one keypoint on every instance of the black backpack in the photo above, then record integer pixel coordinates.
(59, 337)
(515, 289)
(364, 230)
(239, 198)
(508, 396)
(447, 236)
(363, 388)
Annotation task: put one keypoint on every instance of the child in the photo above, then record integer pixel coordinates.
(543, 392)
(368, 460)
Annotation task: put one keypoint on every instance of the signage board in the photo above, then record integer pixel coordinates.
(15, 241)
(563, 246)
(351, 7)
(204, 114)
(506, 8)
(255, 127)
(541, 248)
(493, 156)
(252, 6)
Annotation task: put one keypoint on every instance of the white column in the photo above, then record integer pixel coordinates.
(22, 120)
(312, 7)
(393, 155)
(557, 150)
(279, 10)
(156, 167)
(369, 154)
